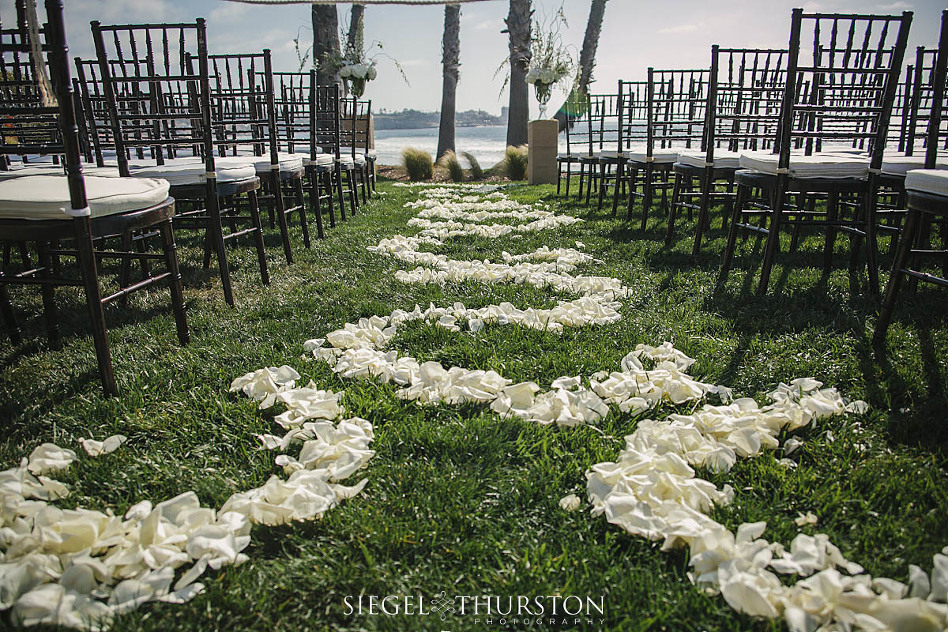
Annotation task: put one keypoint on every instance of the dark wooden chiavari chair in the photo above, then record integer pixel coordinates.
(851, 77)
(927, 197)
(243, 117)
(602, 122)
(676, 105)
(326, 138)
(84, 212)
(293, 123)
(745, 91)
(632, 136)
(354, 136)
(576, 139)
(159, 102)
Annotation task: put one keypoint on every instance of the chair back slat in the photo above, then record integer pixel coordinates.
(844, 90)
(633, 114)
(158, 98)
(242, 104)
(32, 125)
(745, 91)
(325, 122)
(677, 105)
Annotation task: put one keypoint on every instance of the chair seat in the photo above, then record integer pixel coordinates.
(322, 160)
(45, 169)
(357, 158)
(190, 170)
(47, 196)
(898, 165)
(931, 181)
(371, 154)
(723, 159)
(664, 156)
(816, 166)
(609, 155)
(288, 163)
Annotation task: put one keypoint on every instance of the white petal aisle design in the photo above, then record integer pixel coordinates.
(79, 568)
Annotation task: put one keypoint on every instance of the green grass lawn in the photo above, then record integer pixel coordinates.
(458, 499)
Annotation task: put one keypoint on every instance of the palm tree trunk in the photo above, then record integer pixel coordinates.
(450, 61)
(326, 43)
(587, 56)
(518, 26)
(356, 25)
(355, 42)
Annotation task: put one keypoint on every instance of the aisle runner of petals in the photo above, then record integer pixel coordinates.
(652, 491)
(80, 567)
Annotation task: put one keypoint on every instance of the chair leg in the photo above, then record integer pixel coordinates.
(620, 175)
(169, 249)
(569, 176)
(559, 175)
(90, 281)
(351, 189)
(341, 195)
(773, 237)
(328, 185)
(673, 211)
(832, 214)
(300, 202)
(906, 243)
(739, 202)
(647, 194)
(258, 236)
(704, 219)
(280, 205)
(314, 206)
(872, 242)
(50, 312)
(602, 185)
(9, 318)
(214, 240)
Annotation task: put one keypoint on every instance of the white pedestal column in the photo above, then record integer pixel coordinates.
(542, 136)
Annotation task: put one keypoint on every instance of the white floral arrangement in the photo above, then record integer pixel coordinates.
(363, 70)
(548, 76)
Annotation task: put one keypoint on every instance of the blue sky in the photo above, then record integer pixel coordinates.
(635, 35)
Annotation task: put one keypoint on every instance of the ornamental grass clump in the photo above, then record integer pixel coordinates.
(417, 163)
(477, 173)
(449, 160)
(515, 162)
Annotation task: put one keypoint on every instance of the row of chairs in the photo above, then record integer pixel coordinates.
(828, 134)
(154, 133)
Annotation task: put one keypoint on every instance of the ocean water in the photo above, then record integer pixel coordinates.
(487, 143)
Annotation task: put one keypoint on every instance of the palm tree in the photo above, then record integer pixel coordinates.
(518, 26)
(355, 38)
(326, 43)
(587, 56)
(450, 61)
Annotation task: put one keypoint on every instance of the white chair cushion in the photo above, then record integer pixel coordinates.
(723, 159)
(47, 197)
(322, 160)
(346, 159)
(190, 170)
(664, 156)
(359, 158)
(899, 165)
(371, 154)
(816, 166)
(288, 162)
(19, 170)
(610, 154)
(842, 149)
(932, 181)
